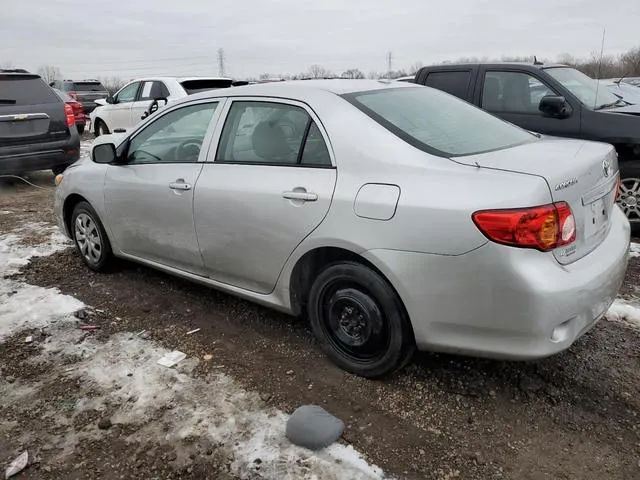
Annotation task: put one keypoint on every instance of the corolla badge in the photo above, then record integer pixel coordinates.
(566, 183)
(606, 168)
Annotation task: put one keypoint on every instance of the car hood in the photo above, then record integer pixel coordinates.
(629, 109)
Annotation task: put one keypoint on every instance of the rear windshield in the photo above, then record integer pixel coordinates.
(25, 90)
(438, 123)
(203, 84)
(87, 87)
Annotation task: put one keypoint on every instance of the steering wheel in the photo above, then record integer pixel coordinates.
(188, 151)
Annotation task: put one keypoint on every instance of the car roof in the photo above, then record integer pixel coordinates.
(539, 66)
(302, 89)
(178, 79)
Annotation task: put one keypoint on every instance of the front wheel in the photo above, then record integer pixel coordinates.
(359, 320)
(90, 237)
(100, 128)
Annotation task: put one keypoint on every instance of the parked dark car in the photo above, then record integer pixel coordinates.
(553, 100)
(37, 129)
(78, 110)
(84, 91)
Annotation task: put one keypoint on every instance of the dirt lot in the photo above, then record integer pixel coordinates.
(572, 416)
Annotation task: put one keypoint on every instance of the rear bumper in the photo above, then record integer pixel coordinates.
(39, 156)
(504, 302)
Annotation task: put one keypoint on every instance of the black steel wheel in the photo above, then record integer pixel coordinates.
(359, 320)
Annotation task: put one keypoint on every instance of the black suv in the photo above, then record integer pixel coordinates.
(554, 100)
(37, 129)
(84, 91)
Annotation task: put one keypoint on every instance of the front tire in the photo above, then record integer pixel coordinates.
(90, 237)
(359, 320)
(100, 128)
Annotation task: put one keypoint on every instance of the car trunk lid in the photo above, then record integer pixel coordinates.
(582, 174)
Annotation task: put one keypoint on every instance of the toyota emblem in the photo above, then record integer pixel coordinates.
(606, 168)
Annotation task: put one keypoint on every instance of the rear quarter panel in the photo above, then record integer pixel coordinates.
(437, 195)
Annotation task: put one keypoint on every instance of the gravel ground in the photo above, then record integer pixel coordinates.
(571, 416)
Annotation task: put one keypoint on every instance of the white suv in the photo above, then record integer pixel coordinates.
(128, 106)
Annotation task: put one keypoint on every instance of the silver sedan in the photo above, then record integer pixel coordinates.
(394, 216)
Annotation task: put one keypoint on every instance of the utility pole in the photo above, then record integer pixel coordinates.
(389, 62)
(221, 59)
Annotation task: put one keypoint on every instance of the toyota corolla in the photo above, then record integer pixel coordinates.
(393, 216)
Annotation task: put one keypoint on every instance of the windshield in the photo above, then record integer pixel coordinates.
(437, 122)
(584, 87)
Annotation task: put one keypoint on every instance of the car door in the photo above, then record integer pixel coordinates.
(270, 186)
(149, 196)
(119, 112)
(515, 96)
(149, 91)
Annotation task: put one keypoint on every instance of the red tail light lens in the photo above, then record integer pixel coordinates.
(68, 113)
(73, 95)
(544, 228)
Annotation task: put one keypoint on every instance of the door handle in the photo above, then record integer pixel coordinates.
(179, 185)
(303, 196)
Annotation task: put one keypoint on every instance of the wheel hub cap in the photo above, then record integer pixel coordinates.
(629, 200)
(355, 323)
(88, 238)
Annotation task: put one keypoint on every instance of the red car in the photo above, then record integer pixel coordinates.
(78, 109)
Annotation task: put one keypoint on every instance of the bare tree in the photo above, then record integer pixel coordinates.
(49, 73)
(221, 61)
(318, 71)
(112, 84)
(353, 73)
(413, 69)
(8, 65)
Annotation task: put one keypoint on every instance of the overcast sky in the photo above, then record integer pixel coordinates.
(87, 38)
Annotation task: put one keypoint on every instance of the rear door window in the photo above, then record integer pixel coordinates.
(454, 82)
(153, 90)
(25, 90)
(88, 87)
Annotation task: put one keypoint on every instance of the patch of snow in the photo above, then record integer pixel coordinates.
(622, 310)
(167, 404)
(25, 306)
(5, 212)
(634, 250)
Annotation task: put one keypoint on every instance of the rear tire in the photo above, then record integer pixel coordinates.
(359, 320)
(100, 128)
(90, 237)
(629, 199)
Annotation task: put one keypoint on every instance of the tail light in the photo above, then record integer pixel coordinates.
(68, 113)
(544, 228)
(73, 95)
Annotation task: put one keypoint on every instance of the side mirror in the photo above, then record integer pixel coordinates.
(110, 99)
(104, 153)
(554, 106)
(155, 105)
(52, 84)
